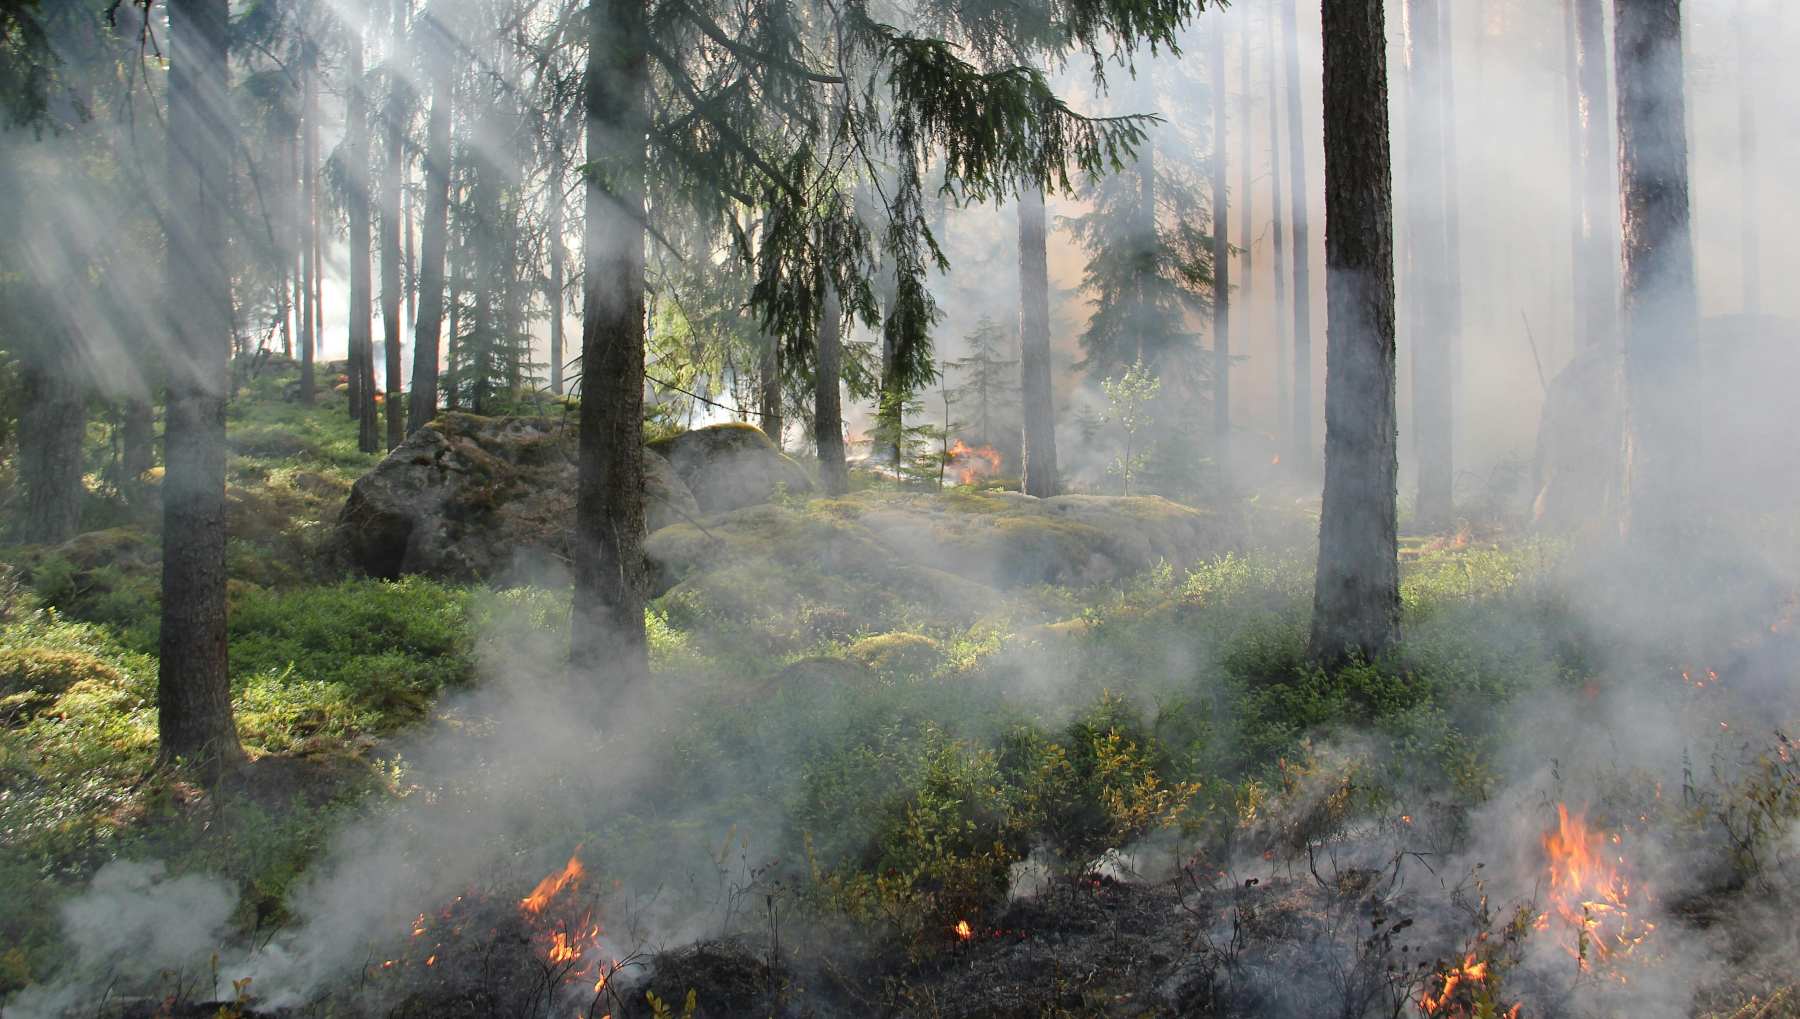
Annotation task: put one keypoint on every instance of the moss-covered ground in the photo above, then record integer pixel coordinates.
(919, 734)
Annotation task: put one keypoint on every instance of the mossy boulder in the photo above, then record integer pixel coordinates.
(897, 654)
(32, 678)
(473, 498)
(730, 466)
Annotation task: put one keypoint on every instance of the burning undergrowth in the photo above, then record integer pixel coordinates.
(1602, 841)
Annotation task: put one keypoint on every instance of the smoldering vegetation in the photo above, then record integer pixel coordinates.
(934, 749)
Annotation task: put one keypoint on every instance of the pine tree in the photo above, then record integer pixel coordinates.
(987, 389)
(1356, 598)
(1660, 303)
(194, 718)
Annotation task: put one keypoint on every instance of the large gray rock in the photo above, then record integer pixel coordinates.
(488, 499)
(731, 466)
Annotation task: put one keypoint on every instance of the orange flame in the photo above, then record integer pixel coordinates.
(552, 886)
(964, 931)
(1589, 892)
(972, 463)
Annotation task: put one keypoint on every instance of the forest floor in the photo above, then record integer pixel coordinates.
(845, 795)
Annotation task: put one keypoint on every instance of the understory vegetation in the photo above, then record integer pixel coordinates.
(895, 767)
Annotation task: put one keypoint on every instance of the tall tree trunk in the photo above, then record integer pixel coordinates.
(193, 693)
(1221, 253)
(1246, 189)
(1278, 263)
(52, 425)
(1662, 360)
(1750, 238)
(828, 411)
(1433, 394)
(1302, 250)
(1038, 475)
(362, 315)
(1453, 301)
(558, 255)
(1356, 600)
(479, 353)
(769, 390)
(409, 259)
(607, 617)
(393, 166)
(428, 327)
(137, 436)
(1578, 196)
(1600, 204)
(309, 237)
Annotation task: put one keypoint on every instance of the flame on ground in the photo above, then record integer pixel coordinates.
(972, 463)
(964, 931)
(1467, 976)
(552, 886)
(1590, 893)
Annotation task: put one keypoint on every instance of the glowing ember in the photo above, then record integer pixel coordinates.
(1589, 893)
(972, 463)
(964, 931)
(552, 886)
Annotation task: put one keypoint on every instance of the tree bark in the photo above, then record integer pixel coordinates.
(828, 411)
(1246, 188)
(362, 315)
(309, 240)
(607, 617)
(1599, 194)
(1578, 197)
(1302, 251)
(435, 242)
(393, 167)
(1221, 252)
(1278, 263)
(558, 255)
(1750, 237)
(137, 434)
(52, 425)
(1356, 600)
(193, 694)
(1038, 475)
(1433, 393)
(1661, 313)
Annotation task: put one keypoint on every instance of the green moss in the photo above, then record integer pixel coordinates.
(898, 654)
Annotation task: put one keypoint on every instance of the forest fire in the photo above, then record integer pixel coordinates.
(1589, 893)
(552, 885)
(973, 463)
(1461, 991)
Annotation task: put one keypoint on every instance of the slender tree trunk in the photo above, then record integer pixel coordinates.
(453, 343)
(558, 255)
(392, 168)
(484, 197)
(1600, 194)
(1356, 600)
(52, 425)
(1433, 393)
(289, 219)
(1038, 475)
(193, 694)
(1578, 196)
(1453, 301)
(1221, 252)
(409, 260)
(362, 313)
(309, 239)
(828, 411)
(769, 370)
(1278, 263)
(137, 435)
(1662, 362)
(1302, 250)
(1147, 233)
(607, 617)
(1246, 188)
(428, 327)
(1750, 238)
